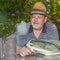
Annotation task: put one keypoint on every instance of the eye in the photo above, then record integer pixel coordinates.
(32, 16)
(39, 16)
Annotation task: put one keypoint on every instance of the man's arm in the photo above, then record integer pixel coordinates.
(21, 49)
(18, 49)
(21, 40)
(55, 32)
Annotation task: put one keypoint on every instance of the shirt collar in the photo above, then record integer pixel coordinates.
(44, 28)
(43, 31)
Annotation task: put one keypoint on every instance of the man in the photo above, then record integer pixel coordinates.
(39, 29)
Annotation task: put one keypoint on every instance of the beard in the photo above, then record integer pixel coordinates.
(37, 27)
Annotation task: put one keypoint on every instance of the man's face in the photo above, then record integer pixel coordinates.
(38, 21)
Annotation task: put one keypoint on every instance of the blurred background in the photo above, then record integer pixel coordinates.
(15, 11)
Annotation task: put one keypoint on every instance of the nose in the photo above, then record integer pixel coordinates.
(36, 19)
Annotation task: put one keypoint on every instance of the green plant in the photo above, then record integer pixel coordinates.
(14, 11)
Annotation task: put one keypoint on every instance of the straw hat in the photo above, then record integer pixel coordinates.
(39, 8)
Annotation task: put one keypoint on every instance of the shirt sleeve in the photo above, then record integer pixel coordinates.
(21, 37)
(53, 32)
(20, 40)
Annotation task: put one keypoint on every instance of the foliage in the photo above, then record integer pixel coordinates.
(13, 11)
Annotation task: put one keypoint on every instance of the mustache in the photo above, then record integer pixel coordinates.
(35, 23)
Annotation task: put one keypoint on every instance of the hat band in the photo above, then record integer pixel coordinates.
(38, 11)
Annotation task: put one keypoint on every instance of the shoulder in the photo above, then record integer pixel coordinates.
(50, 25)
(52, 31)
(22, 28)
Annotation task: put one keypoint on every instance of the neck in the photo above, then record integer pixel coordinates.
(37, 32)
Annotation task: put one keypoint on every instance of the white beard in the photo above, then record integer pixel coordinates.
(37, 27)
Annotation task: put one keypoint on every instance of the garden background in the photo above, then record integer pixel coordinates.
(15, 11)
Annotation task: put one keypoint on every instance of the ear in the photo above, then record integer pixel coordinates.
(46, 19)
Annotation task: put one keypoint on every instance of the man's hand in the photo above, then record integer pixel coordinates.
(26, 51)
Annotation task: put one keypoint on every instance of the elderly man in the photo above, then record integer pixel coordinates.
(38, 29)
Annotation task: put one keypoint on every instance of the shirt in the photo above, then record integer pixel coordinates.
(49, 33)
